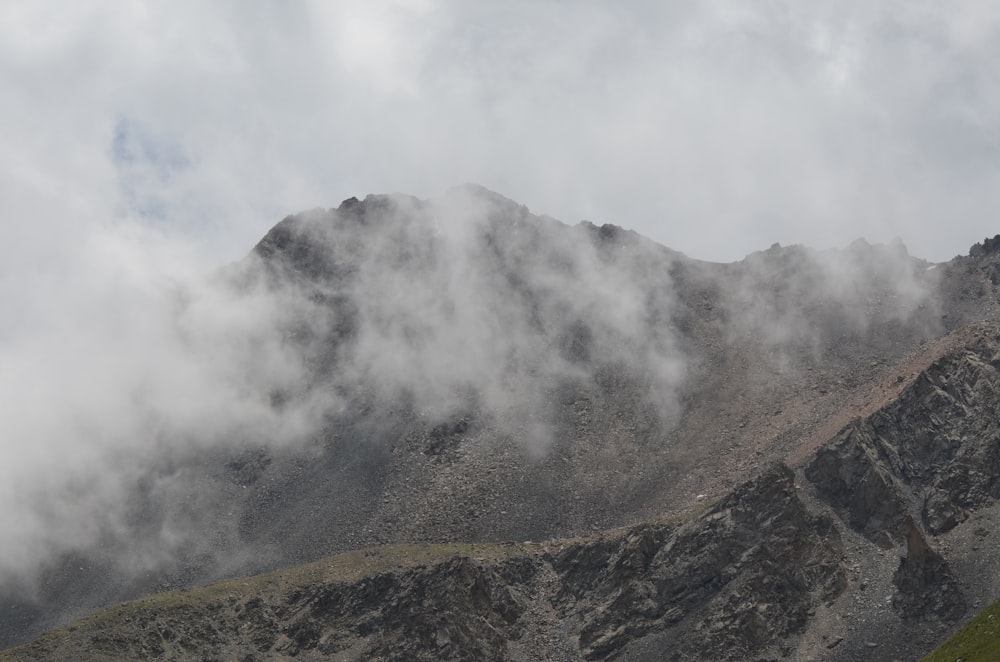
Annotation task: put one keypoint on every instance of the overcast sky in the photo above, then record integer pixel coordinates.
(716, 128)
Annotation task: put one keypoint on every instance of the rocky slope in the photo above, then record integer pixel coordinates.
(844, 562)
(490, 375)
(739, 579)
(754, 574)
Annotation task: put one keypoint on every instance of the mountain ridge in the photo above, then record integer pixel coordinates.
(417, 632)
(617, 560)
(611, 380)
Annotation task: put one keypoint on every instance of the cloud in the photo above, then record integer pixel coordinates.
(137, 357)
(470, 305)
(798, 303)
(782, 122)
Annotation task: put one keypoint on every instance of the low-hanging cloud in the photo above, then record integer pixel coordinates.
(471, 301)
(140, 357)
(463, 306)
(799, 299)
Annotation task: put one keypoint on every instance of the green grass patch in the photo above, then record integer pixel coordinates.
(977, 641)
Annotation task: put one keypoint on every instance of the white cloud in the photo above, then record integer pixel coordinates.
(782, 122)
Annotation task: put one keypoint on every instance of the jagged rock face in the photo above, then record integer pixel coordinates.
(930, 456)
(938, 443)
(864, 492)
(925, 585)
(459, 609)
(724, 585)
(985, 247)
(727, 584)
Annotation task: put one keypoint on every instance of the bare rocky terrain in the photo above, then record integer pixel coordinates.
(789, 457)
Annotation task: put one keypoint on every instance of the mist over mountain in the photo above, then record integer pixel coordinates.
(398, 370)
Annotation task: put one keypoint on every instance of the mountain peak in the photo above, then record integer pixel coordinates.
(460, 371)
(987, 246)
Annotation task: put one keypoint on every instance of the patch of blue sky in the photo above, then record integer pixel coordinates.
(135, 145)
(146, 162)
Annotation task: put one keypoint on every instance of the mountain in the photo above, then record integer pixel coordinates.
(791, 455)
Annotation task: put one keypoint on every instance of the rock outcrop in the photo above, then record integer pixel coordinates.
(929, 456)
(925, 586)
(726, 585)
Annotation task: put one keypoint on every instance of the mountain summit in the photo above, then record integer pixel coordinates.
(610, 450)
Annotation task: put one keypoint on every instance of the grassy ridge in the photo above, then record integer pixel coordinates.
(111, 634)
(345, 567)
(977, 641)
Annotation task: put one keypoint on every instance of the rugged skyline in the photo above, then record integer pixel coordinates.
(715, 129)
(794, 452)
(459, 369)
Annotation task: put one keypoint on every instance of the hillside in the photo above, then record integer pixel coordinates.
(484, 375)
(616, 594)
(781, 567)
